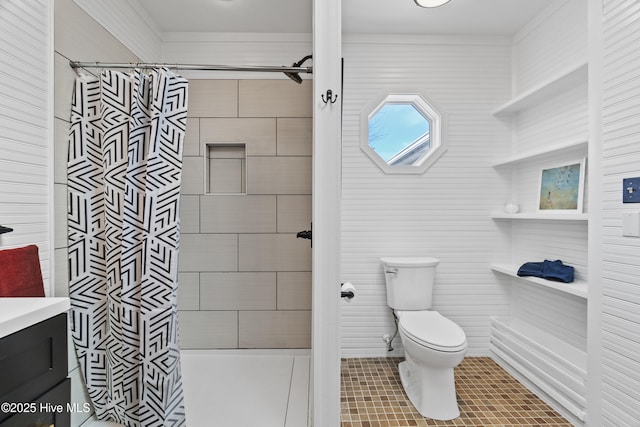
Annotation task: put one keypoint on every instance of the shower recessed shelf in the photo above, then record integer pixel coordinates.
(578, 288)
(225, 168)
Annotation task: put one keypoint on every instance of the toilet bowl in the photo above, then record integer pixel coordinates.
(433, 344)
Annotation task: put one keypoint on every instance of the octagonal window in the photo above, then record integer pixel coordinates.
(402, 134)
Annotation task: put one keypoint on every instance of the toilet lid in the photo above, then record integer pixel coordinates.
(433, 330)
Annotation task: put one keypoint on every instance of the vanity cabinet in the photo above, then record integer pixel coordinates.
(34, 388)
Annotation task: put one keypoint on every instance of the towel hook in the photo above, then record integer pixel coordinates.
(330, 98)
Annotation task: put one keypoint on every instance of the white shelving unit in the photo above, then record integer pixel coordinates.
(578, 288)
(543, 362)
(554, 150)
(566, 79)
(532, 343)
(541, 216)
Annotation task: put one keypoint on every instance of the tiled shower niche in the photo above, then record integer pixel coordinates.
(226, 168)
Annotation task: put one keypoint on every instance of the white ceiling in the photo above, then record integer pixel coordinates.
(472, 17)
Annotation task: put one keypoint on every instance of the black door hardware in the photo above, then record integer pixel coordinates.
(306, 234)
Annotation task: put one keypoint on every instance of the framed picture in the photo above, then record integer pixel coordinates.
(562, 187)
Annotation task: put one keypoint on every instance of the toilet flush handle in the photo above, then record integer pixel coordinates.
(391, 271)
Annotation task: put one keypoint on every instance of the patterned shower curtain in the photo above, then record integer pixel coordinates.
(124, 172)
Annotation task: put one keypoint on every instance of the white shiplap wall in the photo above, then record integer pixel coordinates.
(443, 213)
(560, 30)
(620, 318)
(26, 94)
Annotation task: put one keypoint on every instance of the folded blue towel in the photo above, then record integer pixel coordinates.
(556, 270)
(550, 270)
(531, 269)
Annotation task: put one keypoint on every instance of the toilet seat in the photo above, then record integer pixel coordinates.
(433, 330)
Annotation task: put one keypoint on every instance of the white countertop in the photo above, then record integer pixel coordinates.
(20, 313)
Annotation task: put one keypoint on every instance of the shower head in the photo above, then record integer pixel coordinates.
(295, 76)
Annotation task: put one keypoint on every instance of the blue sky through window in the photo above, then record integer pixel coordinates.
(395, 126)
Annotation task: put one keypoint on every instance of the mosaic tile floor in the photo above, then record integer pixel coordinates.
(372, 396)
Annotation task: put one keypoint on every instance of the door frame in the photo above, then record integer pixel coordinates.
(327, 182)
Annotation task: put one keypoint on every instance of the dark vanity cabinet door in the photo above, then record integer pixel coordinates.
(34, 388)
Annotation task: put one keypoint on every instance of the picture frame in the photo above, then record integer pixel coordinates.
(561, 187)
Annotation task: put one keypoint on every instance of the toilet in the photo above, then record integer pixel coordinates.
(433, 344)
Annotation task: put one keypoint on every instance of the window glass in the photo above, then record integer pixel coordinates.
(402, 133)
(399, 133)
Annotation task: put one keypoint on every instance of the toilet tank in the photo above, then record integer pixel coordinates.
(409, 281)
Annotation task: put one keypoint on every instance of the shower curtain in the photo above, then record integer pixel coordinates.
(124, 172)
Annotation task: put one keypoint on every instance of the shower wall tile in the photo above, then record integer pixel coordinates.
(241, 266)
(213, 98)
(192, 175)
(60, 215)
(61, 147)
(62, 272)
(279, 175)
(64, 80)
(192, 138)
(197, 329)
(294, 290)
(273, 252)
(238, 291)
(208, 252)
(274, 329)
(294, 136)
(189, 214)
(226, 176)
(258, 134)
(238, 214)
(188, 291)
(275, 98)
(294, 213)
(79, 37)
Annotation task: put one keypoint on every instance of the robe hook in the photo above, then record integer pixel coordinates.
(330, 97)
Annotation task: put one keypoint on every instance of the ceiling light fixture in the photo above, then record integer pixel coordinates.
(431, 3)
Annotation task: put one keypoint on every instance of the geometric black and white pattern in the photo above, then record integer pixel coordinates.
(124, 174)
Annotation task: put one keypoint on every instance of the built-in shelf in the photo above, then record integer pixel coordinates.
(572, 360)
(550, 151)
(570, 77)
(543, 362)
(544, 216)
(578, 288)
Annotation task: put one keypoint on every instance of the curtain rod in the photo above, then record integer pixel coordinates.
(193, 67)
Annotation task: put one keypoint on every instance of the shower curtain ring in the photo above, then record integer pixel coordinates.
(330, 98)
